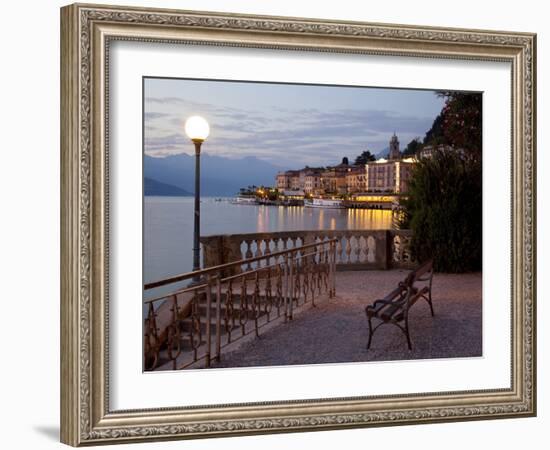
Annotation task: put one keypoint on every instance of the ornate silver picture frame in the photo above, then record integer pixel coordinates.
(87, 34)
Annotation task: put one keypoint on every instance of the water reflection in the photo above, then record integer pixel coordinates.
(168, 226)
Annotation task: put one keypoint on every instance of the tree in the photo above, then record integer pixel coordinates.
(434, 136)
(444, 211)
(412, 147)
(463, 122)
(459, 124)
(364, 158)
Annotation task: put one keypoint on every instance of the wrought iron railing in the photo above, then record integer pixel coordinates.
(225, 303)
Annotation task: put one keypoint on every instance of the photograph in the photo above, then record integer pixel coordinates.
(293, 224)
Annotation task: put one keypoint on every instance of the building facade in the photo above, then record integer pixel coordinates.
(312, 182)
(356, 179)
(390, 175)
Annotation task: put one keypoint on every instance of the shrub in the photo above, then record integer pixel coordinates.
(444, 211)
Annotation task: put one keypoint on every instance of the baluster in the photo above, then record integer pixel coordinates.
(267, 251)
(348, 249)
(339, 249)
(371, 249)
(358, 250)
(259, 251)
(248, 254)
(293, 241)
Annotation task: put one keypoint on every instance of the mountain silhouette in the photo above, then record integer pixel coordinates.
(219, 176)
(154, 187)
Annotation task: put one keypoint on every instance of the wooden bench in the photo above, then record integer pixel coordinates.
(394, 307)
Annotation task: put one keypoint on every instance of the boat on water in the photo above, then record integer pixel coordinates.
(244, 200)
(324, 203)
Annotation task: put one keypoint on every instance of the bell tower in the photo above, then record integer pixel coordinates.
(394, 148)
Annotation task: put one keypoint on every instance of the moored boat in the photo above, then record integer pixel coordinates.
(244, 200)
(324, 203)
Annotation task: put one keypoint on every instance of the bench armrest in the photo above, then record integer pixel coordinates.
(399, 302)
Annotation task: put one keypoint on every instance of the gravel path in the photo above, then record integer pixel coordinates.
(337, 330)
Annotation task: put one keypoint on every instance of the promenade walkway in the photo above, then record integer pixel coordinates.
(336, 331)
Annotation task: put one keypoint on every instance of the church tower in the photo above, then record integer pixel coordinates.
(394, 148)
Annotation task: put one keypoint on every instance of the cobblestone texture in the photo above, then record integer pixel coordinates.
(336, 331)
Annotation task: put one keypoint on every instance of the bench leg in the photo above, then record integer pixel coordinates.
(370, 334)
(407, 333)
(430, 298)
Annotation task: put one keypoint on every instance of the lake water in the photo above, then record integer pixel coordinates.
(168, 226)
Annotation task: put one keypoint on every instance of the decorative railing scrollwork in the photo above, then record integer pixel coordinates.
(220, 304)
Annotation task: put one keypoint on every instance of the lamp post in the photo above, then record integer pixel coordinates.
(197, 129)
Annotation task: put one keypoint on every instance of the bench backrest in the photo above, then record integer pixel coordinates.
(422, 273)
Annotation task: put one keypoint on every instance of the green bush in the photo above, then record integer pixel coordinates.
(444, 211)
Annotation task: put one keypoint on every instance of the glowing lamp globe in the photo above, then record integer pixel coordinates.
(197, 129)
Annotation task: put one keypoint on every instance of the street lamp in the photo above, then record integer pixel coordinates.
(197, 129)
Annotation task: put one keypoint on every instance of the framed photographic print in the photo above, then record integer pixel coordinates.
(276, 224)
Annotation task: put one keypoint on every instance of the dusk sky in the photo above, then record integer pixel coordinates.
(288, 125)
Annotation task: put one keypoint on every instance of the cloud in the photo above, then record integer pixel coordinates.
(284, 136)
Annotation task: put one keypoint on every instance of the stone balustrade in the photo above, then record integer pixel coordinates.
(355, 249)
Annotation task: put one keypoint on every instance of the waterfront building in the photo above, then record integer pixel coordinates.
(381, 176)
(334, 178)
(295, 183)
(283, 181)
(389, 175)
(356, 179)
(288, 180)
(313, 184)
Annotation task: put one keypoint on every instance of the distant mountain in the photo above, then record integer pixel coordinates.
(153, 187)
(384, 153)
(219, 176)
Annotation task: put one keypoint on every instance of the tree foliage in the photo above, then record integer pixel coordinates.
(364, 158)
(444, 211)
(462, 122)
(412, 147)
(459, 124)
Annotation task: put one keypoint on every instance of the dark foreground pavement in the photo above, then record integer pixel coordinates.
(336, 330)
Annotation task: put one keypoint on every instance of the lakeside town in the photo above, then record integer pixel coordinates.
(366, 183)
